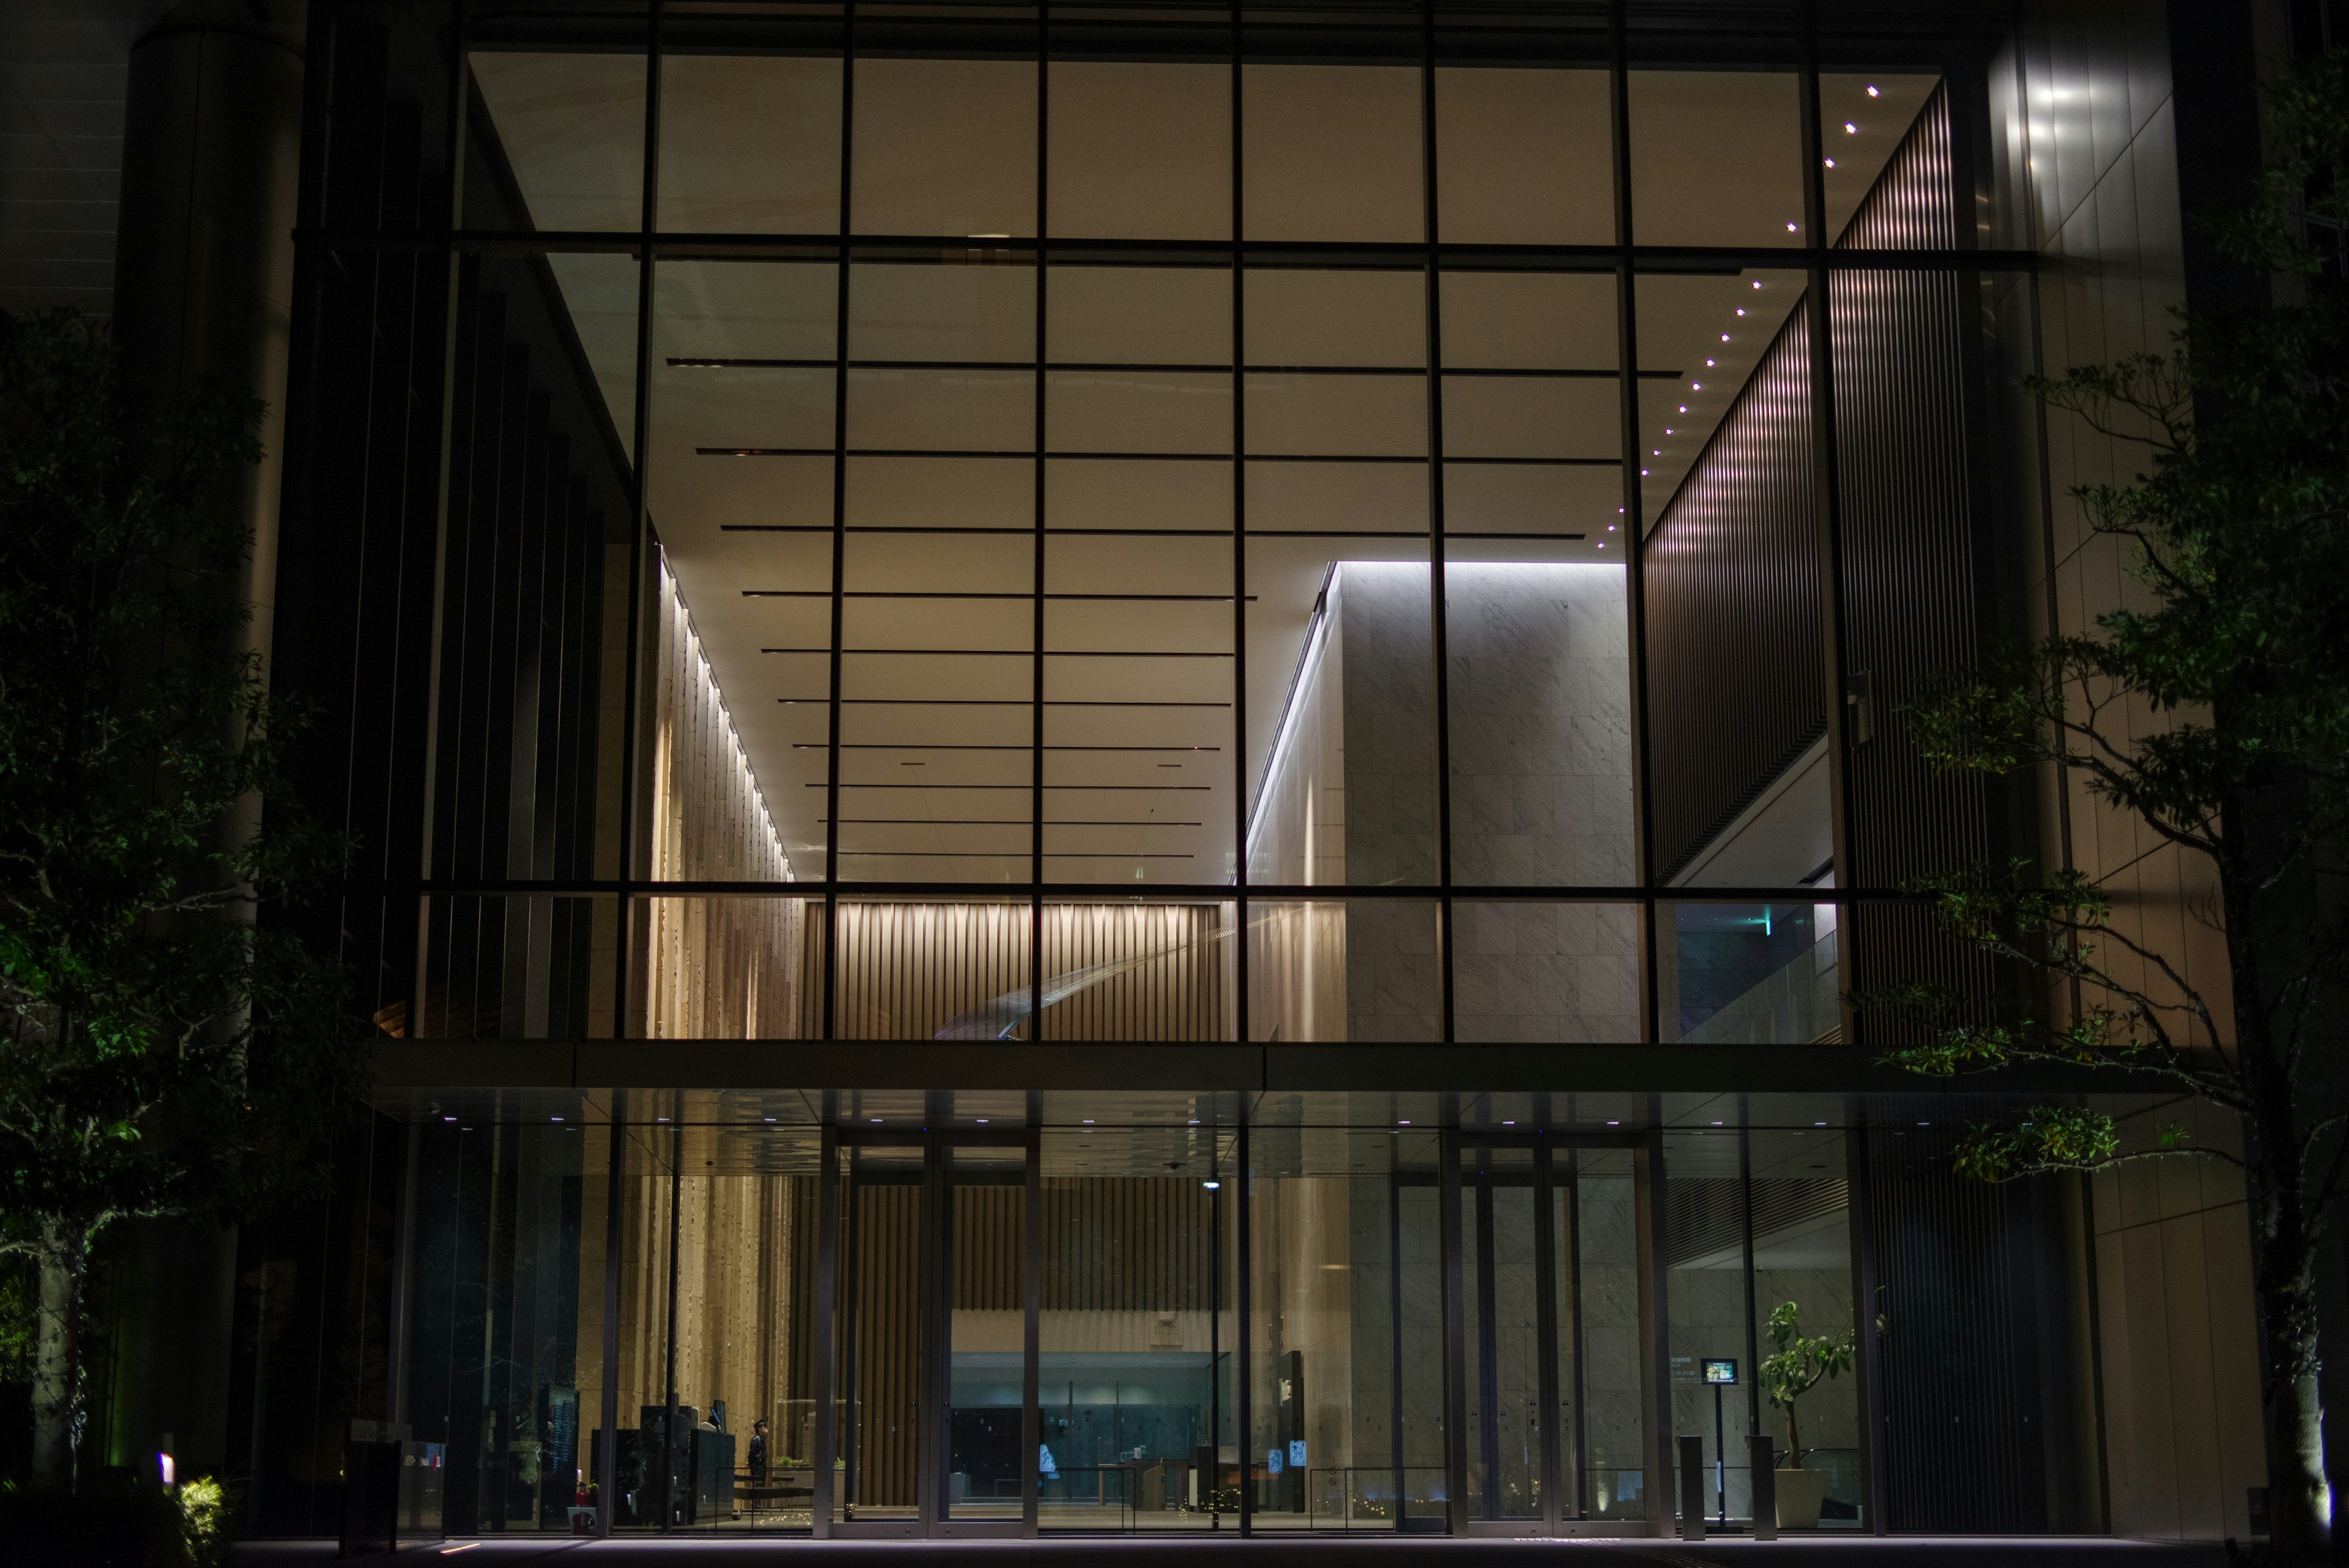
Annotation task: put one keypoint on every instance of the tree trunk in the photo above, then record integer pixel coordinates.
(56, 1370)
(1793, 1444)
(2300, 1498)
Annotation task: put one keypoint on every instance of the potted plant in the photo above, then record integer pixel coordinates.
(1793, 1371)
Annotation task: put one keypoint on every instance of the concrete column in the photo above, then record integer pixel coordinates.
(203, 288)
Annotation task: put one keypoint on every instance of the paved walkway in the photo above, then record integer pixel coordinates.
(1316, 1552)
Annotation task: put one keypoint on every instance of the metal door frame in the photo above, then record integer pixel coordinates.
(836, 1417)
(1563, 1464)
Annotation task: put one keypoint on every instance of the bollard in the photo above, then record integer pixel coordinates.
(1764, 1486)
(1692, 1493)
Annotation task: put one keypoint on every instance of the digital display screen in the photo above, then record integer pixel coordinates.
(1724, 1371)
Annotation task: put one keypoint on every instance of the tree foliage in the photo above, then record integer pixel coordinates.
(2213, 710)
(1798, 1365)
(164, 1050)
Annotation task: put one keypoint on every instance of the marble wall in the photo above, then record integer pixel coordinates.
(1541, 795)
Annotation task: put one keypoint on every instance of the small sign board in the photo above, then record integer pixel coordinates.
(1722, 1369)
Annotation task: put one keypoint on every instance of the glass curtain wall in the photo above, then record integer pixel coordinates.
(1018, 465)
(989, 1316)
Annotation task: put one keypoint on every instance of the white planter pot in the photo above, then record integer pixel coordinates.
(1799, 1493)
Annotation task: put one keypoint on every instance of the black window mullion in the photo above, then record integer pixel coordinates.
(1036, 581)
(1633, 532)
(639, 525)
(839, 526)
(1439, 632)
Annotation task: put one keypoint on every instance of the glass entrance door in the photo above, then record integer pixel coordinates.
(934, 1336)
(1549, 1365)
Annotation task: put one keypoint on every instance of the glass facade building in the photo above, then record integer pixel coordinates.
(1121, 766)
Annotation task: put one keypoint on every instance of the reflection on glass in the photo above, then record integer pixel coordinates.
(1346, 1402)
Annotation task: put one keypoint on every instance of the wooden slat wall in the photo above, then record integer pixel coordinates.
(1110, 1244)
(1125, 1245)
(906, 969)
(888, 1342)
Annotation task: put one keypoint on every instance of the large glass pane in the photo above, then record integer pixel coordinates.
(1344, 968)
(1342, 751)
(1140, 150)
(570, 127)
(499, 1374)
(1332, 152)
(944, 147)
(1885, 131)
(1502, 1315)
(744, 1209)
(1802, 1258)
(749, 143)
(1534, 971)
(1737, 704)
(878, 1333)
(1137, 1336)
(1523, 156)
(1347, 1433)
(1602, 1372)
(1136, 970)
(986, 1198)
(1716, 157)
(934, 969)
(1706, 1232)
(1749, 974)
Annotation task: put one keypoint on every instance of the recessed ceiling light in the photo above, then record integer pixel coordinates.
(1211, 1185)
(1871, 89)
(1849, 128)
(1830, 162)
(1791, 229)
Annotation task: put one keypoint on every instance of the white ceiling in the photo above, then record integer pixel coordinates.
(1140, 755)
